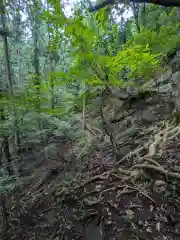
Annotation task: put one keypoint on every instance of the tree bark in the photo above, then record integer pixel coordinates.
(5, 148)
(36, 64)
(135, 9)
(10, 89)
(166, 3)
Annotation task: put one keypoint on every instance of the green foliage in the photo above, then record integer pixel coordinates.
(166, 40)
(95, 49)
(137, 59)
(157, 17)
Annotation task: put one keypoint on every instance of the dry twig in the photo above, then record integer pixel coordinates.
(143, 193)
(95, 178)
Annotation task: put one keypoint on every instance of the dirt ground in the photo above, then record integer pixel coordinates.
(136, 198)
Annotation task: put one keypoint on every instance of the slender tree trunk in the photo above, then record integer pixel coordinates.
(36, 68)
(53, 61)
(18, 37)
(136, 15)
(10, 89)
(5, 148)
(36, 63)
(144, 15)
(6, 53)
(84, 108)
(105, 125)
(52, 65)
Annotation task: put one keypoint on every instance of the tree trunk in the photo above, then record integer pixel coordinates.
(11, 93)
(5, 148)
(136, 15)
(144, 15)
(36, 68)
(36, 64)
(18, 37)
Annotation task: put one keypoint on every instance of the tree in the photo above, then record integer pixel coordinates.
(36, 23)
(10, 90)
(136, 8)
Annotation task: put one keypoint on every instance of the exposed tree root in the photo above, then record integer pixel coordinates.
(149, 160)
(158, 169)
(104, 176)
(123, 171)
(161, 138)
(153, 146)
(132, 154)
(90, 202)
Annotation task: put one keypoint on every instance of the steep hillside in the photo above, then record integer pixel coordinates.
(127, 183)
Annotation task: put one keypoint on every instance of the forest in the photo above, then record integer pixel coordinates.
(90, 120)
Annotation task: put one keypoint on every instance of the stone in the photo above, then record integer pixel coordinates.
(132, 91)
(122, 151)
(176, 77)
(148, 115)
(165, 88)
(165, 78)
(176, 89)
(160, 186)
(175, 64)
(93, 232)
(159, 183)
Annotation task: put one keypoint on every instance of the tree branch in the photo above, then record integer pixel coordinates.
(166, 3)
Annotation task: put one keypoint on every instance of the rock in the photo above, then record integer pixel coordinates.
(132, 91)
(175, 64)
(130, 132)
(165, 78)
(160, 186)
(165, 88)
(122, 151)
(176, 77)
(148, 115)
(50, 217)
(119, 93)
(93, 232)
(176, 89)
(159, 183)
